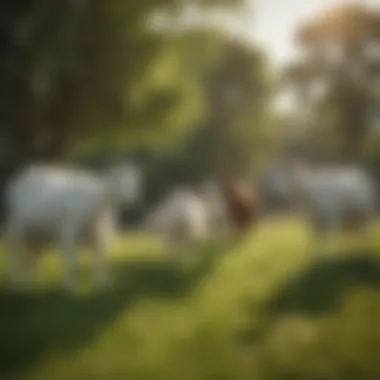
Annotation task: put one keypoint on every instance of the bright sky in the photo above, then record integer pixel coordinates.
(275, 21)
(272, 23)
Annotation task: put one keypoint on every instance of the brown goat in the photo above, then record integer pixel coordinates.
(242, 203)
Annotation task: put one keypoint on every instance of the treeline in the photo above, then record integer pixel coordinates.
(81, 80)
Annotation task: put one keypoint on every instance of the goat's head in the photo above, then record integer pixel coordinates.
(126, 182)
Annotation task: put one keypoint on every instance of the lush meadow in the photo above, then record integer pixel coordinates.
(257, 310)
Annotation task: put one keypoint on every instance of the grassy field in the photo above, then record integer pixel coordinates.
(259, 310)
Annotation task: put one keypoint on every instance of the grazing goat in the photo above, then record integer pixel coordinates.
(219, 222)
(337, 197)
(188, 216)
(180, 218)
(47, 204)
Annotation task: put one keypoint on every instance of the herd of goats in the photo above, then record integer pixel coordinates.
(48, 204)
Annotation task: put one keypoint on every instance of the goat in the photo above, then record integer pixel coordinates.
(188, 216)
(336, 197)
(179, 219)
(47, 204)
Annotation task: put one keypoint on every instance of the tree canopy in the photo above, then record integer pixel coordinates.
(338, 76)
(78, 70)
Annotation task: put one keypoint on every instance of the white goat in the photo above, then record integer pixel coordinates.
(47, 204)
(332, 194)
(219, 223)
(187, 216)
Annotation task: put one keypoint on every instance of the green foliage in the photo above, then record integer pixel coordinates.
(203, 135)
(96, 82)
(236, 94)
(350, 79)
(90, 69)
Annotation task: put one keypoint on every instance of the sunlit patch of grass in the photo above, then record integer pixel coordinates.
(260, 309)
(340, 345)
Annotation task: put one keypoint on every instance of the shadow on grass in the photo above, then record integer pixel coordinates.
(31, 325)
(316, 290)
(321, 286)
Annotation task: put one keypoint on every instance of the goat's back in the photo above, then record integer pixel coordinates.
(181, 210)
(45, 197)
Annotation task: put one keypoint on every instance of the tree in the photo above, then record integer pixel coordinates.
(76, 69)
(235, 86)
(337, 78)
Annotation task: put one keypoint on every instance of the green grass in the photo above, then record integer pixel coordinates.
(259, 310)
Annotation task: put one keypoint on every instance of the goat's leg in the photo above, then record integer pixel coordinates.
(100, 263)
(69, 256)
(32, 259)
(323, 239)
(333, 226)
(318, 235)
(17, 255)
(318, 241)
